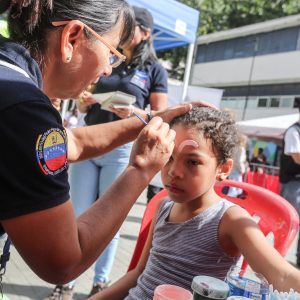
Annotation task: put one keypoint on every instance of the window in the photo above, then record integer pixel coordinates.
(262, 102)
(275, 101)
(297, 102)
(252, 102)
(287, 102)
(277, 41)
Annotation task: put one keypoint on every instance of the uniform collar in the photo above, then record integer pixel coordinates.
(16, 54)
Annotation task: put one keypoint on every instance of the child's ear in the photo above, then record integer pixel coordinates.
(224, 170)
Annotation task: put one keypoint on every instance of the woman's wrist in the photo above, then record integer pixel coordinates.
(149, 115)
(142, 115)
(144, 175)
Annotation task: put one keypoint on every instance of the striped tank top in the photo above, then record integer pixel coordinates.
(181, 251)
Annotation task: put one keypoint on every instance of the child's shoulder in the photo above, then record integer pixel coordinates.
(162, 204)
(234, 214)
(234, 220)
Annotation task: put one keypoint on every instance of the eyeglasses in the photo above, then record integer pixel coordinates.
(114, 60)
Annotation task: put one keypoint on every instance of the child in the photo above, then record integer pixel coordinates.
(197, 232)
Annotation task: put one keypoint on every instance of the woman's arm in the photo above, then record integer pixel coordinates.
(52, 239)
(90, 141)
(119, 290)
(238, 226)
(158, 101)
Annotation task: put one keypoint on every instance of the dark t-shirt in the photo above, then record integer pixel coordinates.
(138, 82)
(289, 170)
(33, 151)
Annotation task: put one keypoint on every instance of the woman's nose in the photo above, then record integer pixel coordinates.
(107, 70)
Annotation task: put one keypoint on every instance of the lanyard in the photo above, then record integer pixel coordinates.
(4, 258)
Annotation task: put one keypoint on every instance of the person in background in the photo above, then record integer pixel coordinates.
(145, 78)
(194, 230)
(289, 173)
(56, 102)
(71, 119)
(240, 164)
(56, 49)
(259, 159)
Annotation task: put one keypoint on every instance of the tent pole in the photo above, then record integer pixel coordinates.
(187, 72)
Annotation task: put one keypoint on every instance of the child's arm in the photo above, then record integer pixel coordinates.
(240, 228)
(119, 290)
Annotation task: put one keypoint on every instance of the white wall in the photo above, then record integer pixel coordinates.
(267, 69)
(194, 93)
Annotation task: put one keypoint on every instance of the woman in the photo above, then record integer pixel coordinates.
(146, 79)
(58, 48)
(240, 165)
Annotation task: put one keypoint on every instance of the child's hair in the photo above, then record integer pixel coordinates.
(216, 125)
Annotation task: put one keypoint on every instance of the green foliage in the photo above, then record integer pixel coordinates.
(218, 15)
(3, 28)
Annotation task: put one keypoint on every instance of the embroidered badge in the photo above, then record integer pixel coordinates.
(51, 151)
(139, 78)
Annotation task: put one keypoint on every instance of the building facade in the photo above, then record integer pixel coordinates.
(258, 66)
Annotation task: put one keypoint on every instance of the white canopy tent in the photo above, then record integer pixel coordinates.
(271, 128)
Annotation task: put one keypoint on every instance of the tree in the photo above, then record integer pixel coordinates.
(218, 15)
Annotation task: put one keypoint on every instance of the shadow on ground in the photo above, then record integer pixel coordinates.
(128, 237)
(134, 219)
(33, 292)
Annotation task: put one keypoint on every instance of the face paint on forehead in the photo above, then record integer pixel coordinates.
(187, 143)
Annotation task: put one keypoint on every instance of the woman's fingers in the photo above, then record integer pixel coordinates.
(124, 112)
(153, 147)
(169, 114)
(203, 103)
(86, 98)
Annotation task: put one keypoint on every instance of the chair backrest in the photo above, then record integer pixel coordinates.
(145, 226)
(276, 215)
(268, 181)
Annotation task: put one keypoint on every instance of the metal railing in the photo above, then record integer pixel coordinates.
(267, 169)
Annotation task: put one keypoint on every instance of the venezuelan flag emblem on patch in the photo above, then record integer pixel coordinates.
(51, 151)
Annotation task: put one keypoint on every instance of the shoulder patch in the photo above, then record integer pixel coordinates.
(51, 151)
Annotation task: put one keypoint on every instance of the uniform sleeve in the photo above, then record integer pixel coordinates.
(159, 79)
(292, 141)
(33, 156)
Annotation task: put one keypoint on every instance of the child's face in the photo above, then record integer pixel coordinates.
(193, 167)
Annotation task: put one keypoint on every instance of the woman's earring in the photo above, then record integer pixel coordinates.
(220, 177)
(68, 58)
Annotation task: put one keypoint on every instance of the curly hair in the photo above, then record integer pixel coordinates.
(216, 125)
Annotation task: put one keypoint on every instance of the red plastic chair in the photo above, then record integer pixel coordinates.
(145, 226)
(276, 215)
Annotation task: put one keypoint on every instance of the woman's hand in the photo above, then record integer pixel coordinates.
(153, 147)
(203, 103)
(122, 112)
(85, 100)
(170, 113)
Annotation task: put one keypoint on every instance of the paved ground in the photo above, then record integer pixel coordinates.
(21, 283)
